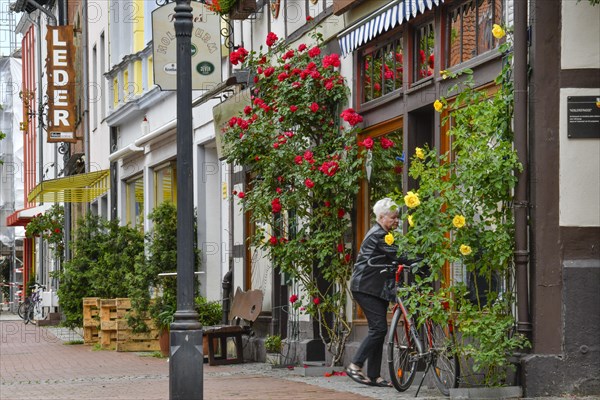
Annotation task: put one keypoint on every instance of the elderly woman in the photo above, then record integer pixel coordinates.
(372, 290)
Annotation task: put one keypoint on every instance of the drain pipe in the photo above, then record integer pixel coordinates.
(521, 201)
(85, 90)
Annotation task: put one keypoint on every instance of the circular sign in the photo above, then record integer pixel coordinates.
(205, 68)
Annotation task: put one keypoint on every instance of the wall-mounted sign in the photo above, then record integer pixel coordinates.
(583, 117)
(206, 47)
(61, 84)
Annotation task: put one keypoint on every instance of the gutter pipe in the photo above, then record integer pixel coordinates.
(521, 201)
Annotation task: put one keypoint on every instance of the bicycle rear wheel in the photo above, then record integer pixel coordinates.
(445, 365)
(28, 313)
(401, 353)
(21, 309)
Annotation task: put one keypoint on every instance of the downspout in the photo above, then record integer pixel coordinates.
(40, 122)
(85, 91)
(521, 200)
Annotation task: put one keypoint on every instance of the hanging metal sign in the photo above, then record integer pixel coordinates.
(61, 84)
(206, 47)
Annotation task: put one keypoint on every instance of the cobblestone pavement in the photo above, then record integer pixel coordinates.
(38, 363)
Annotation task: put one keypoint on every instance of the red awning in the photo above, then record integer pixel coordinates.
(23, 216)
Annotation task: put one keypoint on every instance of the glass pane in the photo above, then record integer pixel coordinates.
(485, 40)
(424, 59)
(386, 174)
(135, 202)
(381, 70)
(165, 185)
(454, 37)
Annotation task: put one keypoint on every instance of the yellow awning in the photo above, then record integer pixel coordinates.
(81, 188)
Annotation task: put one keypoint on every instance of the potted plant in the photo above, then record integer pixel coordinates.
(163, 321)
(273, 347)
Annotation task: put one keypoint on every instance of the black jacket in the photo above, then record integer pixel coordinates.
(370, 280)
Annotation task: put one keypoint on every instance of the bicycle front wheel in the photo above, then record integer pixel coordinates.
(28, 314)
(402, 360)
(21, 309)
(445, 366)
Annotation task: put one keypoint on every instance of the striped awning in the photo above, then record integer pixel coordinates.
(382, 20)
(80, 188)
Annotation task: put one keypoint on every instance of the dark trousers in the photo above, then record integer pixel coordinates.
(371, 348)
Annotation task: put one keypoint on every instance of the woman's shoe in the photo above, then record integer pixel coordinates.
(357, 375)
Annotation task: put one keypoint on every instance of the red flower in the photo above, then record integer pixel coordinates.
(347, 257)
(332, 60)
(247, 110)
(368, 143)
(298, 160)
(276, 205)
(273, 240)
(350, 116)
(326, 203)
(293, 108)
(302, 47)
(422, 56)
(309, 18)
(314, 107)
(386, 143)
(314, 52)
(340, 248)
(431, 61)
(241, 195)
(269, 71)
(271, 39)
(282, 76)
(293, 298)
(341, 213)
(309, 183)
(329, 168)
(56, 230)
(288, 54)
(317, 301)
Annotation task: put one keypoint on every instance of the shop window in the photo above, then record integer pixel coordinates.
(135, 202)
(470, 29)
(165, 184)
(423, 55)
(381, 69)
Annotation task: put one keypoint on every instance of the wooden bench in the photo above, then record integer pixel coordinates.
(245, 309)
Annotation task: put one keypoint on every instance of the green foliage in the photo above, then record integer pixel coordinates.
(209, 312)
(50, 227)
(273, 344)
(463, 216)
(305, 171)
(104, 256)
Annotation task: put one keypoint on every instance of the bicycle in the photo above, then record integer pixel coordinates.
(31, 309)
(405, 348)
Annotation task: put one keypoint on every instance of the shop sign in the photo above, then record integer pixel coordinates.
(61, 84)
(583, 117)
(205, 51)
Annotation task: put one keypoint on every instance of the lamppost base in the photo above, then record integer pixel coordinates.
(186, 361)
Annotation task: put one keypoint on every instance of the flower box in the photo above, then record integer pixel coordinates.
(242, 9)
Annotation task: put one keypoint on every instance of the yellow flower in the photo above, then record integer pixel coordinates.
(465, 250)
(411, 221)
(458, 221)
(438, 105)
(411, 199)
(498, 32)
(419, 153)
(444, 74)
(389, 239)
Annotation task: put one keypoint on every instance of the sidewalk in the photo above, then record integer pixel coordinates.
(36, 362)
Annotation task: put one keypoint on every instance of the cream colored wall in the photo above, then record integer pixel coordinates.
(580, 35)
(579, 171)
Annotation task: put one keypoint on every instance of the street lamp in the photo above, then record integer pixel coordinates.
(186, 353)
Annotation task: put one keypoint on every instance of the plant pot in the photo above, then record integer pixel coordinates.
(273, 358)
(243, 9)
(164, 342)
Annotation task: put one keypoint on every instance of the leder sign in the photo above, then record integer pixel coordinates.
(61, 84)
(206, 47)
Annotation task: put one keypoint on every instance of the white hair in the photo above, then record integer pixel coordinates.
(384, 206)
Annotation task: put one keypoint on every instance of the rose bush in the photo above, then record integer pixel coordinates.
(298, 144)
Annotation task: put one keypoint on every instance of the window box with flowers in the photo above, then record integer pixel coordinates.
(236, 9)
(306, 166)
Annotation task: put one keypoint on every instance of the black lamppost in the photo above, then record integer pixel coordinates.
(186, 354)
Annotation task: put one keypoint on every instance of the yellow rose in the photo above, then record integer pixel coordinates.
(438, 105)
(411, 221)
(444, 74)
(389, 239)
(411, 199)
(458, 221)
(419, 153)
(465, 250)
(498, 32)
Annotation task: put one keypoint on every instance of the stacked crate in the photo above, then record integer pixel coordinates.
(105, 322)
(91, 320)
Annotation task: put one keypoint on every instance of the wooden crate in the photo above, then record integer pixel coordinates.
(108, 323)
(144, 341)
(91, 320)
